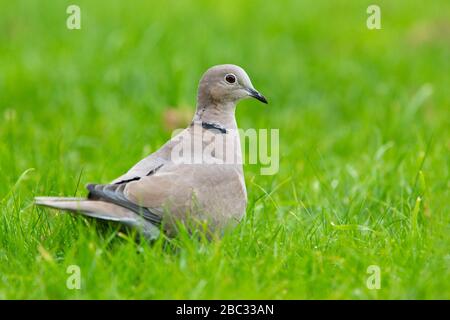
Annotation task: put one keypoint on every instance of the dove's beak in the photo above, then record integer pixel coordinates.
(258, 96)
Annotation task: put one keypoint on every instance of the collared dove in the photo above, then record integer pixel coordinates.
(204, 187)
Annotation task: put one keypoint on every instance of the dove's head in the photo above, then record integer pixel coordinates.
(226, 83)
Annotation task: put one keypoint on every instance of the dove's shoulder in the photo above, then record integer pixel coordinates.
(150, 164)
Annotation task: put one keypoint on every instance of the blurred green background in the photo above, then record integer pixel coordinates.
(364, 142)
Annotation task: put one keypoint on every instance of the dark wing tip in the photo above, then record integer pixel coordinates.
(90, 186)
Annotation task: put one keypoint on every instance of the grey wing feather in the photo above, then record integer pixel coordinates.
(114, 193)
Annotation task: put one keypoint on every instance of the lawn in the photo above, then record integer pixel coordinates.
(364, 124)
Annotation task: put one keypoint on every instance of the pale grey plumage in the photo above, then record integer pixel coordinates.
(162, 190)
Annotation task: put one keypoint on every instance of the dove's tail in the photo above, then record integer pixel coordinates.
(101, 210)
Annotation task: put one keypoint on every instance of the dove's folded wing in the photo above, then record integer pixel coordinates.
(168, 190)
(173, 185)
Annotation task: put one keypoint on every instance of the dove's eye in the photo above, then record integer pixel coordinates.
(230, 78)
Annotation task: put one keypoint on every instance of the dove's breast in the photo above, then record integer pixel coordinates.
(213, 193)
(222, 194)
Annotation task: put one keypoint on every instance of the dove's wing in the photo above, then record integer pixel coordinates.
(147, 195)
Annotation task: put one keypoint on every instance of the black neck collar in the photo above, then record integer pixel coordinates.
(213, 126)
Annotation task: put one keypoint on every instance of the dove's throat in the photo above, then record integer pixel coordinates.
(222, 114)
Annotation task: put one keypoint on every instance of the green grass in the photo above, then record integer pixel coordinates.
(364, 119)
